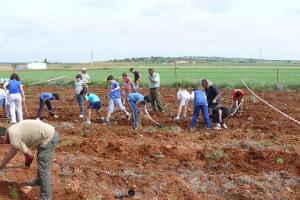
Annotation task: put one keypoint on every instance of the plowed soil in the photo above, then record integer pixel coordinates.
(257, 157)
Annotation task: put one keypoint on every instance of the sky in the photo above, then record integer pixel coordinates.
(67, 30)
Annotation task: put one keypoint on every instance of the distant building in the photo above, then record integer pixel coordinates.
(182, 62)
(31, 66)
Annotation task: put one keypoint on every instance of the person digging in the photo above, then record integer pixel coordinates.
(46, 98)
(23, 137)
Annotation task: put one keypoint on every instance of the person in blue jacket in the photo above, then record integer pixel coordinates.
(94, 104)
(46, 98)
(136, 100)
(200, 103)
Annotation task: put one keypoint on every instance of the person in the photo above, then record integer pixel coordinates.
(126, 87)
(237, 101)
(137, 79)
(23, 137)
(80, 92)
(85, 76)
(154, 90)
(114, 98)
(200, 103)
(136, 100)
(212, 93)
(46, 98)
(184, 97)
(218, 115)
(4, 99)
(15, 98)
(94, 104)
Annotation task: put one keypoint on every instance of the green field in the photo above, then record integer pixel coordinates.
(224, 75)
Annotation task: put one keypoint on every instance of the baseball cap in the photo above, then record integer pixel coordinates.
(83, 69)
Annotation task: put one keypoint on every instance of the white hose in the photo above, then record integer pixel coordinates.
(289, 117)
(46, 80)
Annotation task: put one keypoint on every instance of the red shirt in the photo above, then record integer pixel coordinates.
(234, 97)
(127, 85)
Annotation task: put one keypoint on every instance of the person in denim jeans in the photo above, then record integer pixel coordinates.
(200, 103)
(46, 98)
(80, 91)
(26, 135)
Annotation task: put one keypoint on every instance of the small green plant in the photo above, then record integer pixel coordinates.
(98, 171)
(218, 154)
(82, 134)
(13, 192)
(279, 160)
(173, 196)
(264, 143)
(66, 143)
(286, 147)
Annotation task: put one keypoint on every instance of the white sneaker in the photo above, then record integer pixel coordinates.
(81, 116)
(55, 116)
(37, 118)
(176, 118)
(224, 126)
(88, 122)
(217, 126)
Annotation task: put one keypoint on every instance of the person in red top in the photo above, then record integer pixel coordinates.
(127, 87)
(237, 101)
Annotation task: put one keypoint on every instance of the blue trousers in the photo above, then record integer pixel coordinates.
(41, 108)
(204, 111)
(80, 100)
(135, 113)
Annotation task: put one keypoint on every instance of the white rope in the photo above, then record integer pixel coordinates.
(46, 80)
(289, 117)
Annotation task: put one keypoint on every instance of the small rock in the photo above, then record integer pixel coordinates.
(26, 189)
(289, 189)
(274, 123)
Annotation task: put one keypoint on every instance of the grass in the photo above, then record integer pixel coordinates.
(279, 160)
(229, 76)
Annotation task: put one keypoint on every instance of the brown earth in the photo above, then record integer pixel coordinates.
(243, 162)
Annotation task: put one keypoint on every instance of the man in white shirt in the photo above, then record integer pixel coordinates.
(154, 90)
(85, 76)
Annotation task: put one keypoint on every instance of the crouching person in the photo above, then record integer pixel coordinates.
(218, 115)
(183, 97)
(136, 100)
(200, 103)
(46, 98)
(32, 134)
(94, 104)
(237, 101)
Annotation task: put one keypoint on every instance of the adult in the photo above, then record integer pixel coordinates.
(137, 79)
(4, 99)
(15, 98)
(154, 90)
(32, 134)
(85, 76)
(212, 93)
(237, 101)
(80, 92)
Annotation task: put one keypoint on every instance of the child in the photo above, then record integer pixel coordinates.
(114, 98)
(95, 104)
(218, 115)
(135, 100)
(184, 98)
(4, 99)
(127, 86)
(46, 98)
(200, 103)
(80, 92)
(237, 101)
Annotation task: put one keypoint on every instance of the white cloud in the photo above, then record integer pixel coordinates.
(67, 30)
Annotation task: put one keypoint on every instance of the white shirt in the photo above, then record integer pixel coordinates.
(78, 86)
(85, 77)
(2, 94)
(183, 94)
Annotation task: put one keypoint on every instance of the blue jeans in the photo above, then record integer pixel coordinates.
(80, 100)
(204, 111)
(41, 108)
(135, 112)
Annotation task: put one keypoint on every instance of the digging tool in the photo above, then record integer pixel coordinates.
(236, 109)
(26, 109)
(158, 124)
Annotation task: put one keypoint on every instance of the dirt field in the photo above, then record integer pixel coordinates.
(256, 158)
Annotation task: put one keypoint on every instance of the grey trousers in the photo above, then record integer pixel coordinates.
(44, 161)
(155, 99)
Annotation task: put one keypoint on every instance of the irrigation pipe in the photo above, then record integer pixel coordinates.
(289, 117)
(53, 79)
